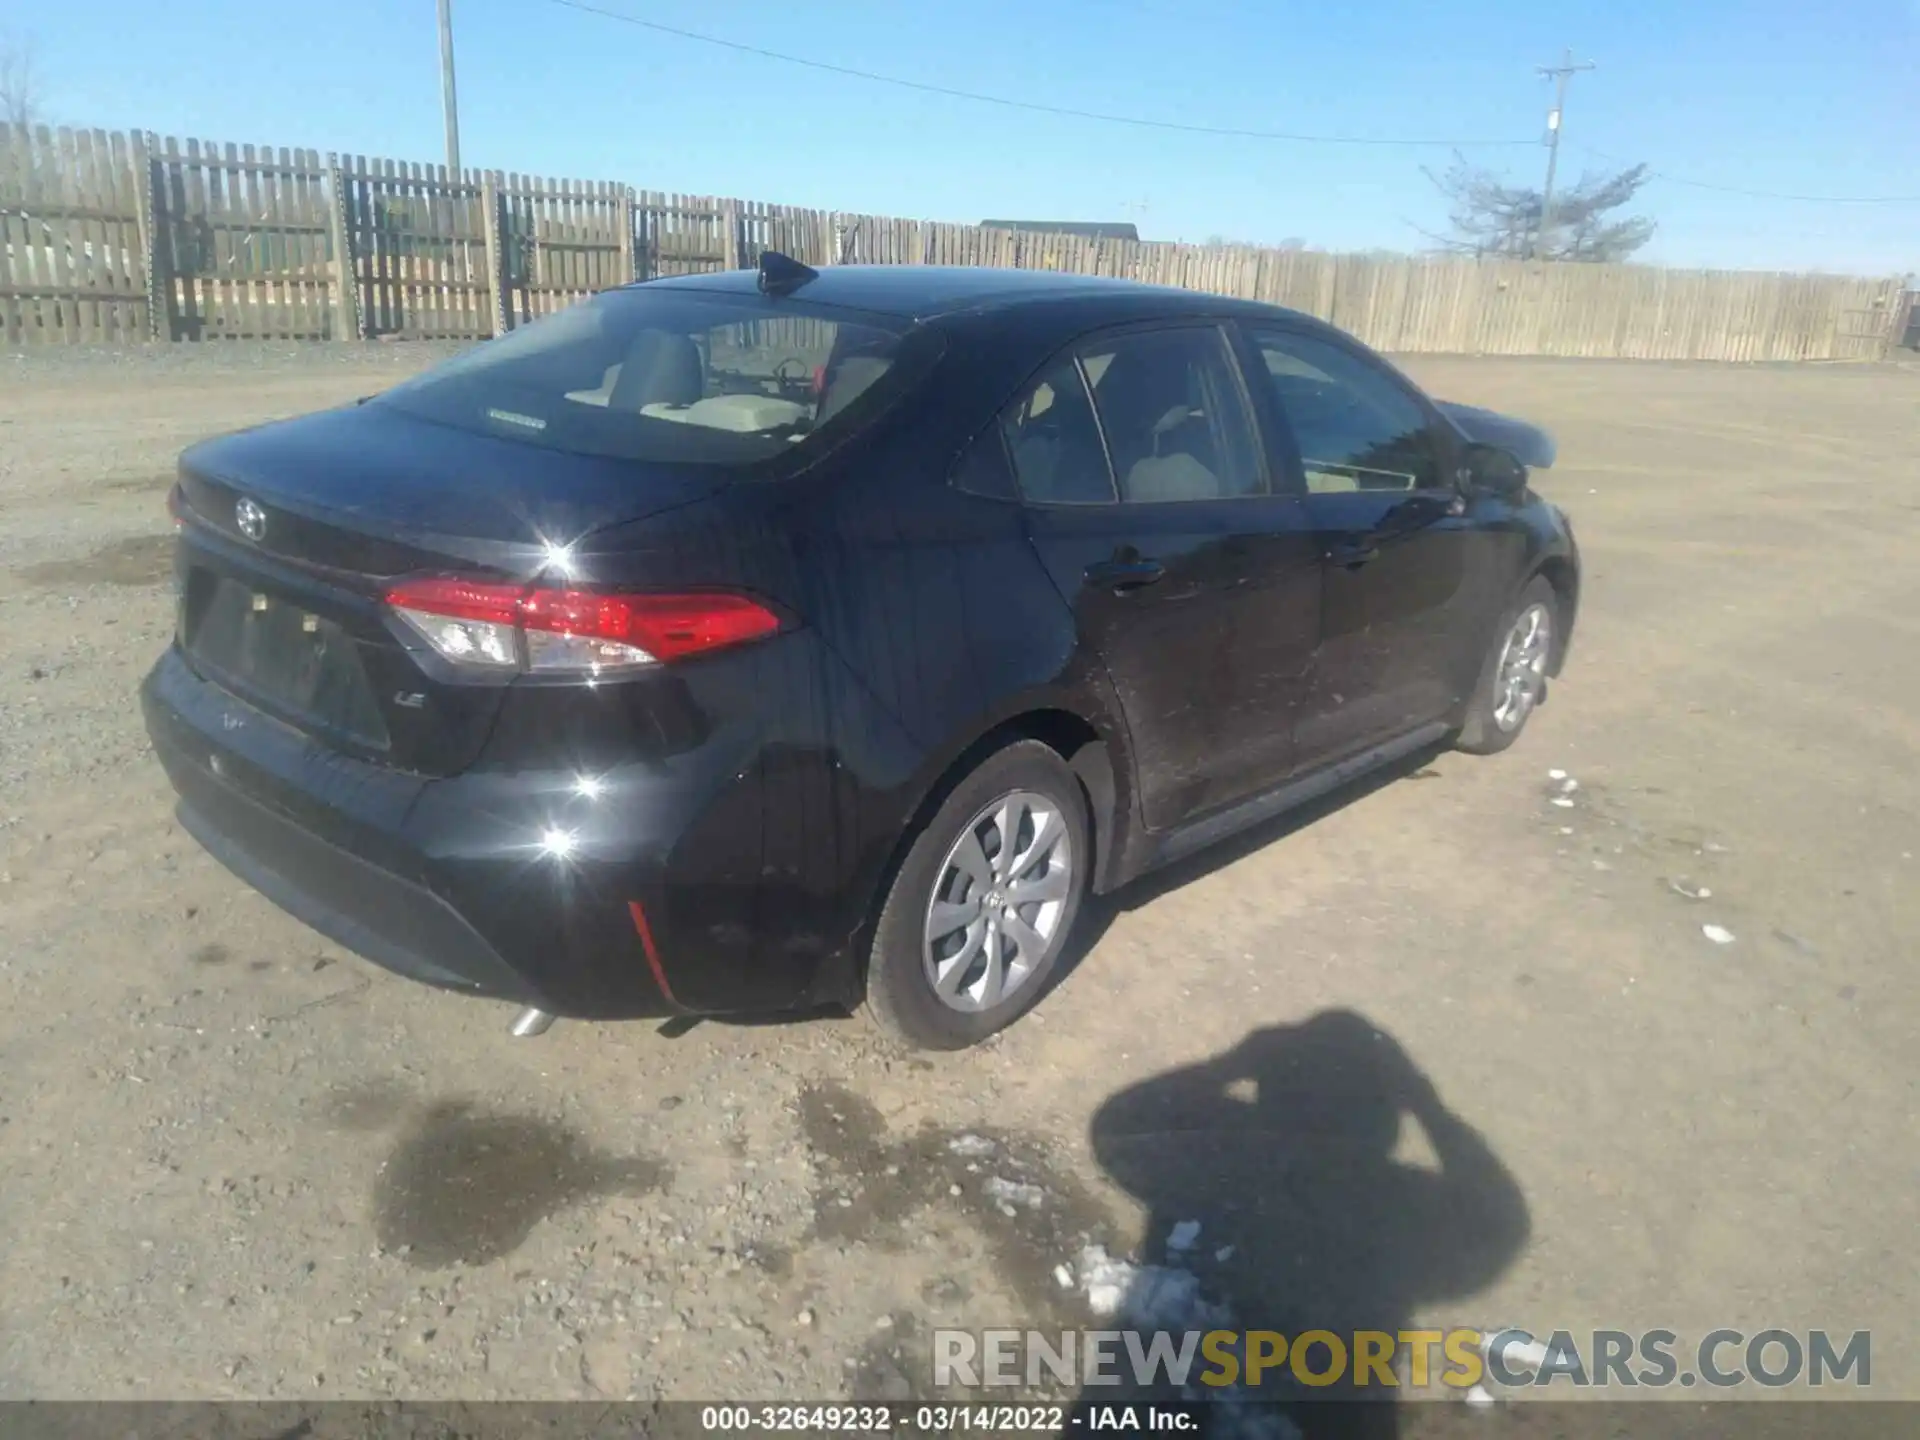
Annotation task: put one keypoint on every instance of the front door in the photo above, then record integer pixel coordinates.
(1396, 541)
(1194, 583)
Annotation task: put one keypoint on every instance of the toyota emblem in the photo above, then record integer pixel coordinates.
(251, 519)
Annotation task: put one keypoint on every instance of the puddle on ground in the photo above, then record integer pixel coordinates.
(890, 1366)
(465, 1186)
(891, 1191)
(873, 1188)
(141, 560)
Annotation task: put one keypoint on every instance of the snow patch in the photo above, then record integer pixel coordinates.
(1168, 1297)
(1152, 1297)
(1014, 1193)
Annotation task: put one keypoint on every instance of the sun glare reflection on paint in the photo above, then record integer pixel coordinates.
(557, 558)
(557, 844)
(589, 787)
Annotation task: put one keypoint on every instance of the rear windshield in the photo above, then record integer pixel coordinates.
(676, 376)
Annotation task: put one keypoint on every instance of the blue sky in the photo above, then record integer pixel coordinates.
(1774, 95)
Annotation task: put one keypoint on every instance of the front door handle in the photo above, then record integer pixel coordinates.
(1354, 556)
(1124, 575)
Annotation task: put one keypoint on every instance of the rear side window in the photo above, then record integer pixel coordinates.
(1174, 416)
(1054, 441)
(676, 376)
(1356, 427)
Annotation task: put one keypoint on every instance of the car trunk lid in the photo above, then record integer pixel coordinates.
(292, 534)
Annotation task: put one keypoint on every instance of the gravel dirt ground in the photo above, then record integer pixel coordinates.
(1455, 1048)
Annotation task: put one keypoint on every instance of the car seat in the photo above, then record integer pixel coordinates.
(660, 368)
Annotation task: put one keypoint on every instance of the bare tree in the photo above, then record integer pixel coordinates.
(19, 82)
(1492, 218)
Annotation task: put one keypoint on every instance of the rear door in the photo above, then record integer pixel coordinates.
(1395, 539)
(1149, 502)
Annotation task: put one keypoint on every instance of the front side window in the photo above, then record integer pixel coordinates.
(1357, 429)
(674, 376)
(1174, 415)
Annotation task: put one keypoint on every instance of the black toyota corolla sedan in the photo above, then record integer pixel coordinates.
(780, 639)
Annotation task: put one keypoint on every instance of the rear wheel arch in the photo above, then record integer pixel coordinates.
(1070, 735)
(984, 966)
(1558, 571)
(1077, 739)
(1479, 726)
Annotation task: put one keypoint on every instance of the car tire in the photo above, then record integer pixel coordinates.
(1513, 674)
(947, 979)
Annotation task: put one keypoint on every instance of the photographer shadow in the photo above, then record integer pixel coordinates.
(1320, 1206)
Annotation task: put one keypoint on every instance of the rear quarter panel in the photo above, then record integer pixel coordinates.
(936, 601)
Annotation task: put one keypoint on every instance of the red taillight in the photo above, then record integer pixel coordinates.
(667, 627)
(459, 599)
(585, 631)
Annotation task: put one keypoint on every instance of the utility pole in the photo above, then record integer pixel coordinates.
(446, 90)
(1561, 75)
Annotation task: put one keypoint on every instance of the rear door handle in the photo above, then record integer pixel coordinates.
(1125, 575)
(1353, 556)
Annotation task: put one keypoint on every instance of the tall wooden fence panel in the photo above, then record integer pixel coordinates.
(418, 254)
(565, 242)
(72, 258)
(239, 243)
(117, 238)
(682, 235)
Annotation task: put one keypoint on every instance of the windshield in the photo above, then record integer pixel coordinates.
(673, 376)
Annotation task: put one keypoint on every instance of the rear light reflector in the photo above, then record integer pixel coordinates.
(585, 632)
(648, 948)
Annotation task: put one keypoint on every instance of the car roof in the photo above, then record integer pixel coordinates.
(922, 292)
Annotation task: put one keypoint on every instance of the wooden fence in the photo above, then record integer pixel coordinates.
(127, 237)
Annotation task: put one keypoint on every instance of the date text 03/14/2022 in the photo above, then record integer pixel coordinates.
(945, 1419)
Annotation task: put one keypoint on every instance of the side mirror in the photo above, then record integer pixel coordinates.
(1494, 471)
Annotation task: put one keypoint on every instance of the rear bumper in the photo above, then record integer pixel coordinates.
(377, 915)
(446, 881)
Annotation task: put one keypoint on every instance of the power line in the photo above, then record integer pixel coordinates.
(1144, 123)
(1008, 102)
(1755, 194)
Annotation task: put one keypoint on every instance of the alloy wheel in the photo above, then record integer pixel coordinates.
(1521, 677)
(995, 914)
